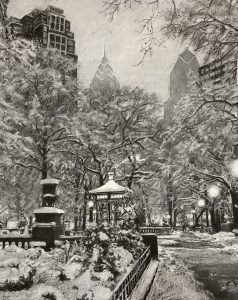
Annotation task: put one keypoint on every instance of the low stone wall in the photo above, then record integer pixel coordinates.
(20, 241)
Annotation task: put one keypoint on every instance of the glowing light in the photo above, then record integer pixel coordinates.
(90, 204)
(201, 203)
(234, 168)
(213, 191)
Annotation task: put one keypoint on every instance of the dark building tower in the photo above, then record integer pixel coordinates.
(104, 77)
(186, 64)
(3, 11)
(49, 27)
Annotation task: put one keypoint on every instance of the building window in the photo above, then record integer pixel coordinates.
(67, 26)
(71, 49)
(58, 42)
(57, 23)
(71, 42)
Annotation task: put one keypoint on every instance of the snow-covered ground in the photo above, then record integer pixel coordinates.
(46, 273)
(89, 270)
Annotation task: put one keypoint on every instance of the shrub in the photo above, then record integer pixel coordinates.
(47, 293)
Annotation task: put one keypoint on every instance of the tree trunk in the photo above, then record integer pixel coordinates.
(170, 201)
(76, 199)
(197, 217)
(101, 179)
(130, 181)
(174, 218)
(44, 168)
(218, 220)
(85, 209)
(234, 197)
(207, 214)
(214, 221)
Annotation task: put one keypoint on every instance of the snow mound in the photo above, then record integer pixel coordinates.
(224, 235)
(47, 292)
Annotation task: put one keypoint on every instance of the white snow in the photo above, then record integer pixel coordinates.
(234, 168)
(49, 181)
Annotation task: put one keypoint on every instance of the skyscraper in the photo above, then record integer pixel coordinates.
(49, 27)
(180, 75)
(104, 77)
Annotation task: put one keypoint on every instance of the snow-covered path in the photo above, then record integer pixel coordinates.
(214, 266)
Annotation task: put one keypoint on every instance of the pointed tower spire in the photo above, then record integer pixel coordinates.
(104, 77)
(104, 51)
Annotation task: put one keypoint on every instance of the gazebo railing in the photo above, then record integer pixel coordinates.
(126, 286)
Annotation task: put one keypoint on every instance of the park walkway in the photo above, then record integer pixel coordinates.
(213, 265)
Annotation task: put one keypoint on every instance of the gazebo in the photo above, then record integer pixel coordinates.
(110, 200)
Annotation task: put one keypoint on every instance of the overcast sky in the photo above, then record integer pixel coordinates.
(92, 29)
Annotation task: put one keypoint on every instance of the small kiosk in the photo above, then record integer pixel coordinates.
(111, 201)
(49, 220)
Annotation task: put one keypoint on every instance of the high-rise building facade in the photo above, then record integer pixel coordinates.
(104, 77)
(180, 77)
(49, 27)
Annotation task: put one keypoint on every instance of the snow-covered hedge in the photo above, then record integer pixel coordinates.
(87, 270)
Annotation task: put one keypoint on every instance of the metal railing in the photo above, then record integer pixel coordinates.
(126, 286)
(157, 230)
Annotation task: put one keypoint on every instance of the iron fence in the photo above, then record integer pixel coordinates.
(126, 286)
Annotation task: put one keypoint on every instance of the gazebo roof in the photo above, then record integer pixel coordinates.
(110, 187)
(48, 210)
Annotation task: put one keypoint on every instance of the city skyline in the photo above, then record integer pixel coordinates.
(93, 30)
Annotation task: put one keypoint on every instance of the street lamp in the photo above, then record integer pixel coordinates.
(213, 191)
(193, 211)
(90, 204)
(201, 203)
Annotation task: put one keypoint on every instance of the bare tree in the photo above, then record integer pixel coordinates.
(210, 26)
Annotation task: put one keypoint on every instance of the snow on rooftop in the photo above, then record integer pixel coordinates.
(49, 195)
(109, 187)
(48, 210)
(49, 181)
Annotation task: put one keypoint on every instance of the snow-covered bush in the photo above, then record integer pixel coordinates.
(88, 269)
(102, 246)
(44, 292)
(15, 275)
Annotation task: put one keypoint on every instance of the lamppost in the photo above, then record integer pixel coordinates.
(168, 218)
(110, 200)
(193, 211)
(201, 203)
